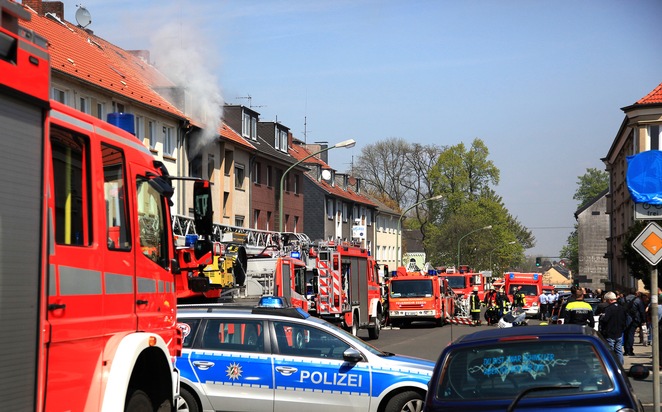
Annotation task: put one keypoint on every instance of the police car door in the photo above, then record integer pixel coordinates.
(309, 369)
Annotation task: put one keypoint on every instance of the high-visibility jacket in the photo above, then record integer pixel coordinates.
(475, 303)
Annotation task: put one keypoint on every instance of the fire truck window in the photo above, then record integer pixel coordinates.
(71, 182)
(152, 223)
(117, 225)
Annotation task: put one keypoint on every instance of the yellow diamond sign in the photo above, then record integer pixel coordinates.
(649, 243)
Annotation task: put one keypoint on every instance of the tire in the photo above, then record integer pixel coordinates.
(187, 402)
(355, 324)
(373, 332)
(409, 401)
(138, 401)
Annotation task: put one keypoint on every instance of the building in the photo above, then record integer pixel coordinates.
(592, 232)
(639, 132)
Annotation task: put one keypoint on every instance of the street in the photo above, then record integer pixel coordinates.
(423, 340)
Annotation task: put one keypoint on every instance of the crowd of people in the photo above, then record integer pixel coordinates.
(621, 317)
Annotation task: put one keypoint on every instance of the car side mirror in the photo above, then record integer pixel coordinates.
(352, 355)
(638, 372)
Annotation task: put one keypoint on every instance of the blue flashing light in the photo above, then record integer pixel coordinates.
(272, 302)
(512, 275)
(295, 254)
(190, 240)
(535, 276)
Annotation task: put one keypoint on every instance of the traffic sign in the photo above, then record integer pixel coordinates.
(649, 243)
(645, 211)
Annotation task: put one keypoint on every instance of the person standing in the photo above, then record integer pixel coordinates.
(578, 311)
(543, 304)
(518, 298)
(612, 324)
(636, 312)
(502, 303)
(474, 304)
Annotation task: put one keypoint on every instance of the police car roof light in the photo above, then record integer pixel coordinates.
(273, 302)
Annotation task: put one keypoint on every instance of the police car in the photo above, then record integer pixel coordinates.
(280, 359)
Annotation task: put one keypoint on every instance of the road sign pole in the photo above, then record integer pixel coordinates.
(656, 340)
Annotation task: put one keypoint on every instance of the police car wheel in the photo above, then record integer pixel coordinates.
(408, 401)
(187, 402)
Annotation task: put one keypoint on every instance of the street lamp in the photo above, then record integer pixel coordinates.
(458, 242)
(399, 234)
(345, 143)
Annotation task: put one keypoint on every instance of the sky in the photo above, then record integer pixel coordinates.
(541, 83)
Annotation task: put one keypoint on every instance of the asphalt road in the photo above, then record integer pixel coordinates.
(426, 341)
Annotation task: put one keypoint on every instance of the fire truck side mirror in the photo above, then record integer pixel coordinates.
(203, 212)
(175, 269)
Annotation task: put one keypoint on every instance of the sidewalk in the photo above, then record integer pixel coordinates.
(642, 355)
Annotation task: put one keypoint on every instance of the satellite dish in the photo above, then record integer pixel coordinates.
(326, 174)
(83, 17)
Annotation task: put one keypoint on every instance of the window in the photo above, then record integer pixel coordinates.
(118, 232)
(233, 335)
(239, 221)
(256, 219)
(305, 340)
(84, 105)
(229, 160)
(211, 166)
(168, 141)
(270, 173)
(151, 133)
(268, 221)
(344, 212)
(296, 184)
(257, 173)
(59, 95)
(368, 219)
(253, 128)
(101, 111)
(246, 125)
(329, 208)
(195, 167)
(73, 213)
(226, 198)
(140, 127)
(118, 107)
(152, 223)
(239, 176)
(654, 135)
(295, 228)
(193, 325)
(355, 212)
(283, 141)
(277, 140)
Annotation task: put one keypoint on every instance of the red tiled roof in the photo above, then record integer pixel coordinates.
(229, 133)
(653, 97)
(92, 59)
(299, 152)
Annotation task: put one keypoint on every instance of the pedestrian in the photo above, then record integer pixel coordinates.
(489, 301)
(578, 311)
(612, 324)
(543, 304)
(474, 304)
(636, 314)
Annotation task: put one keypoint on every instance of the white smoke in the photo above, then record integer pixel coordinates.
(181, 55)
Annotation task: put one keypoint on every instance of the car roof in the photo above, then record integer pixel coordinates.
(212, 310)
(549, 331)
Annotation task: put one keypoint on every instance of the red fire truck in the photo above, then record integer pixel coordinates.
(530, 284)
(462, 281)
(87, 259)
(419, 295)
(346, 287)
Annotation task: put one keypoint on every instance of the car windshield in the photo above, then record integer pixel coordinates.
(411, 288)
(504, 369)
(456, 282)
(529, 290)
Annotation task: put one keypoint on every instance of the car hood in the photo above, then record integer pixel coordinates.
(401, 361)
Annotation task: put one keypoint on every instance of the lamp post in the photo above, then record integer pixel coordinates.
(345, 143)
(399, 234)
(459, 241)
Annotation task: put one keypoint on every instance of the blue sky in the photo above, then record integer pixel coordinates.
(542, 83)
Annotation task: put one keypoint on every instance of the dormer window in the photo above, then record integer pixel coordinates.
(249, 126)
(280, 140)
(654, 137)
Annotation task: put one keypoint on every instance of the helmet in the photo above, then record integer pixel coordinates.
(475, 288)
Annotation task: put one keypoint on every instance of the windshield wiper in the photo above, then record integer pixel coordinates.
(526, 391)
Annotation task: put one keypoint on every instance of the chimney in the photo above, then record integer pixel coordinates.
(35, 5)
(55, 7)
(324, 156)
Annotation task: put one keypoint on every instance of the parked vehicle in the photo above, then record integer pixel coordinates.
(530, 284)
(281, 359)
(566, 368)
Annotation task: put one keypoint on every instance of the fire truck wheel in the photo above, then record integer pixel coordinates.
(139, 402)
(373, 332)
(408, 401)
(187, 402)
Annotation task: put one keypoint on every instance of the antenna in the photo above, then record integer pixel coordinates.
(250, 101)
(305, 129)
(83, 17)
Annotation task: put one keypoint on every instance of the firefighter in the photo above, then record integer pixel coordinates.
(474, 304)
(491, 311)
(519, 298)
(502, 303)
